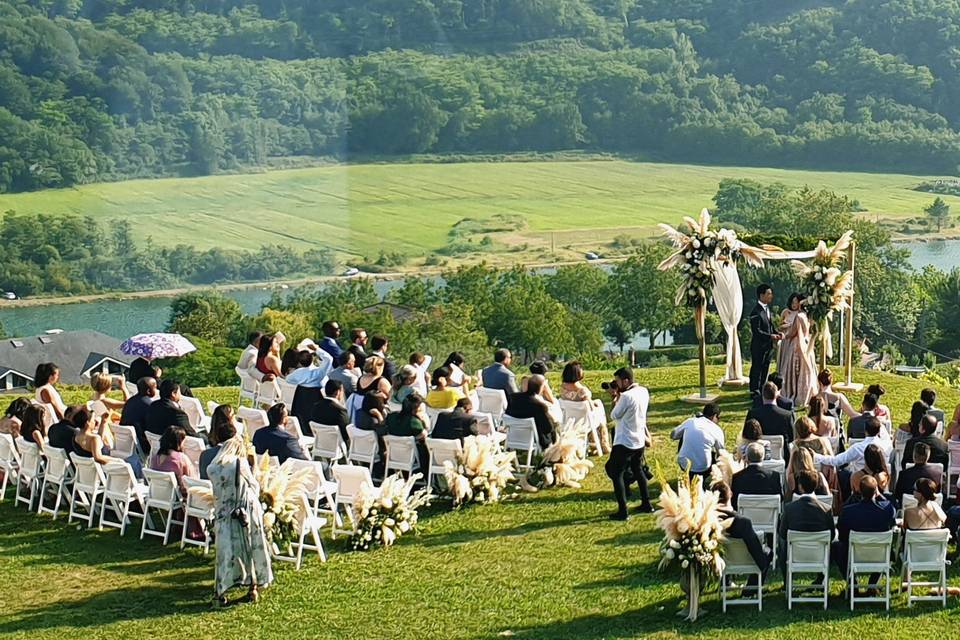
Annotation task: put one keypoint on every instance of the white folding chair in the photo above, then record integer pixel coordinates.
(401, 454)
(287, 391)
(909, 501)
(153, 439)
(349, 480)
(194, 410)
(252, 419)
(363, 447)
(293, 428)
(492, 401)
(164, 496)
(198, 505)
(57, 476)
(953, 464)
(249, 387)
(269, 393)
(808, 552)
(318, 489)
(31, 473)
(125, 442)
(87, 488)
(776, 447)
(328, 444)
(192, 448)
(925, 551)
(120, 490)
(779, 466)
(764, 514)
(487, 426)
(441, 451)
(9, 463)
(522, 436)
(432, 415)
(739, 562)
(211, 407)
(582, 411)
(869, 552)
(306, 524)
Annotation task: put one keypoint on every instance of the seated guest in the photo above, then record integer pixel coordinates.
(33, 429)
(754, 479)
(142, 368)
(858, 426)
(939, 449)
(836, 403)
(102, 384)
(875, 466)
(872, 512)
(912, 428)
(531, 404)
(807, 438)
(166, 412)
(907, 478)
(882, 411)
(170, 457)
(248, 358)
(373, 380)
(700, 439)
(784, 403)
(275, 440)
(134, 412)
(456, 424)
(927, 514)
(751, 433)
(372, 414)
(358, 340)
(222, 428)
(742, 529)
(61, 434)
(380, 346)
(573, 389)
(288, 361)
(801, 462)
(331, 333)
(346, 373)
(953, 429)
(773, 420)
(45, 380)
(442, 396)
(929, 397)
(498, 375)
(456, 363)
(805, 513)
(268, 356)
(824, 425)
(421, 363)
(411, 420)
(539, 368)
(405, 384)
(332, 409)
(88, 442)
(853, 457)
(13, 417)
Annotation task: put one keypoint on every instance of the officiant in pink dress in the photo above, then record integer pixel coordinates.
(796, 361)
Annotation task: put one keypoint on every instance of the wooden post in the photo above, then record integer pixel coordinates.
(848, 383)
(701, 316)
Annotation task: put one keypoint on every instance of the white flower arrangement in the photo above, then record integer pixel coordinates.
(692, 527)
(483, 473)
(281, 492)
(565, 462)
(827, 288)
(384, 514)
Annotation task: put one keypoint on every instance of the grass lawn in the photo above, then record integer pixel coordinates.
(549, 566)
(585, 203)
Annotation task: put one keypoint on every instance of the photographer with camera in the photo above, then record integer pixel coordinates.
(630, 440)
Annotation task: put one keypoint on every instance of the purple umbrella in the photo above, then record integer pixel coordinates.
(157, 345)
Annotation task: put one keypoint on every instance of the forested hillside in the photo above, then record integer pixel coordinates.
(106, 89)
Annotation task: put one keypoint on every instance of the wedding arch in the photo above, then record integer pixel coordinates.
(708, 260)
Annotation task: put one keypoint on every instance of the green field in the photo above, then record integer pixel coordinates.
(361, 209)
(549, 566)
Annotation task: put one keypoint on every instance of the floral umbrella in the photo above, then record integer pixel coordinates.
(157, 345)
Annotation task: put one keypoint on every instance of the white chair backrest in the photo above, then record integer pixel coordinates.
(762, 510)
(293, 427)
(326, 439)
(163, 486)
(193, 409)
(574, 410)
(520, 432)
(926, 547)
(485, 423)
(776, 446)
(363, 444)
(131, 387)
(909, 501)
(809, 547)
(29, 459)
(432, 417)
(89, 474)
(58, 464)
(212, 406)
(779, 466)
(269, 392)
(400, 449)
(736, 554)
(119, 479)
(198, 492)
(124, 441)
(287, 391)
(871, 547)
(252, 419)
(192, 448)
(492, 401)
(248, 383)
(8, 450)
(443, 450)
(349, 479)
(312, 471)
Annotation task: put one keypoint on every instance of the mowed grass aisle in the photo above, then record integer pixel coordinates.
(549, 565)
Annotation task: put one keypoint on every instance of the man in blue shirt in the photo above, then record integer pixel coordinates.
(331, 331)
(309, 374)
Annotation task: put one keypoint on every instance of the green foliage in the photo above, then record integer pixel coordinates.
(208, 315)
(642, 295)
(939, 212)
(209, 365)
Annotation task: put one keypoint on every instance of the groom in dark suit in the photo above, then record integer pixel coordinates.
(763, 337)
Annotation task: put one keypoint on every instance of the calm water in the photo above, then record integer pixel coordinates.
(123, 318)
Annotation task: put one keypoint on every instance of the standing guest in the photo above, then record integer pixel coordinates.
(927, 434)
(13, 417)
(539, 368)
(825, 425)
(498, 375)
(853, 457)
(135, 409)
(773, 420)
(331, 409)
(456, 363)
(405, 384)
(268, 356)
(309, 373)
(927, 514)
(929, 396)
(45, 380)
(442, 395)
(170, 457)
(331, 333)
(102, 384)
(701, 438)
(630, 440)
(907, 478)
(874, 466)
(763, 338)
(346, 373)
(805, 513)
(573, 389)
(421, 363)
(275, 440)
(32, 428)
(754, 479)
(222, 429)
(372, 415)
(530, 404)
(62, 434)
(248, 358)
(242, 553)
(868, 409)
(380, 345)
(166, 412)
(412, 420)
(142, 367)
(801, 462)
(358, 343)
(456, 424)
(872, 512)
(741, 528)
(752, 432)
(882, 411)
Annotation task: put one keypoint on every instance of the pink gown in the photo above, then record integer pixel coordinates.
(797, 362)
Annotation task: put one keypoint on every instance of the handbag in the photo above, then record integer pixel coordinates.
(239, 513)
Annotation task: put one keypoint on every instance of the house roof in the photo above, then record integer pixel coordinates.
(73, 351)
(399, 312)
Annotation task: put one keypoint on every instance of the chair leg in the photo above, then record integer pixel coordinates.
(146, 516)
(56, 504)
(103, 512)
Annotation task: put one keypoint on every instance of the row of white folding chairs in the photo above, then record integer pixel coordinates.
(264, 393)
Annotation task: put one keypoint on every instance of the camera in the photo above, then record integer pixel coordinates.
(606, 386)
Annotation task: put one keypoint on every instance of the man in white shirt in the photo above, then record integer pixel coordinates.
(630, 439)
(853, 456)
(248, 359)
(700, 436)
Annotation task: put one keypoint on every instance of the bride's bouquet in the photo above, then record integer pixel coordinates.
(384, 514)
(483, 472)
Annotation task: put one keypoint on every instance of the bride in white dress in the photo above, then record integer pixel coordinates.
(796, 362)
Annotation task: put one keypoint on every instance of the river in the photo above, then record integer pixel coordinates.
(123, 318)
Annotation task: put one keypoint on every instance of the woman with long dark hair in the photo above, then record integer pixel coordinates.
(796, 362)
(45, 380)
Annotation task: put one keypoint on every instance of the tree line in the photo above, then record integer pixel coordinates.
(94, 90)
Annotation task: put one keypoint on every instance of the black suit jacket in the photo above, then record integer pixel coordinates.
(139, 368)
(454, 425)
(524, 405)
(277, 442)
(761, 328)
(755, 480)
(328, 411)
(166, 413)
(857, 427)
(61, 436)
(907, 478)
(359, 356)
(865, 515)
(805, 514)
(939, 450)
(135, 415)
(773, 420)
